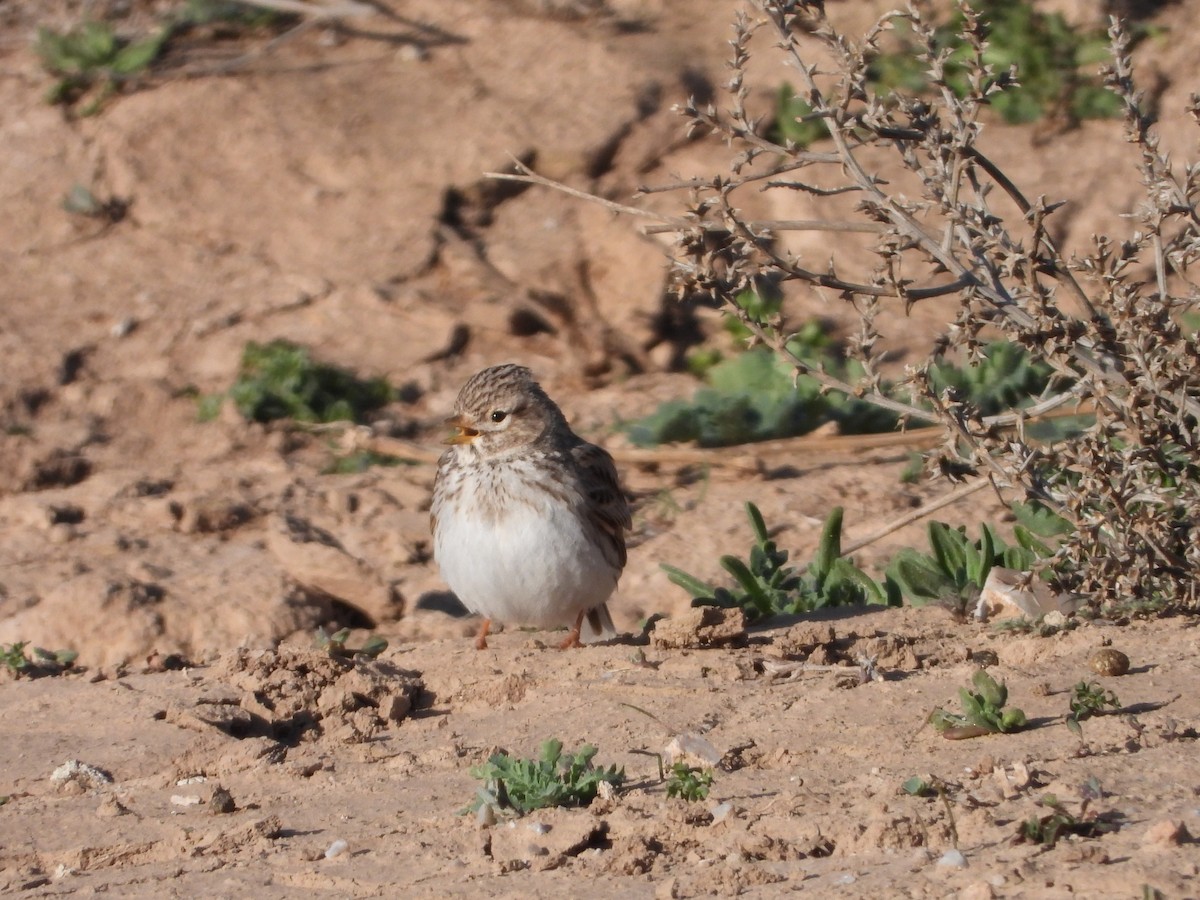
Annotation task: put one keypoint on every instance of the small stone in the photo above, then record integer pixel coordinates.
(721, 812)
(980, 890)
(336, 849)
(1167, 833)
(485, 816)
(222, 801)
(954, 859)
(1109, 662)
(110, 808)
(75, 777)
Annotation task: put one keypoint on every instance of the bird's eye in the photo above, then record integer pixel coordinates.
(499, 415)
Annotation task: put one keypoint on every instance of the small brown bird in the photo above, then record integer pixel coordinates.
(528, 519)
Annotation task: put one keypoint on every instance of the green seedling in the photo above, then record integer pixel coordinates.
(765, 585)
(1047, 829)
(983, 711)
(1089, 698)
(281, 380)
(42, 662)
(918, 787)
(689, 783)
(335, 644)
(92, 61)
(517, 786)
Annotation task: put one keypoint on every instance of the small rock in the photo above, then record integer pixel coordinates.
(75, 777)
(1167, 833)
(980, 890)
(692, 749)
(1109, 662)
(110, 808)
(721, 812)
(336, 849)
(703, 627)
(185, 800)
(954, 859)
(221, 801)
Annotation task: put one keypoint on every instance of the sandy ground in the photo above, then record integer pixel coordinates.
(329, 192)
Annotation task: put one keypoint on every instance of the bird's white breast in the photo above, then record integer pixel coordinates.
(517, 554)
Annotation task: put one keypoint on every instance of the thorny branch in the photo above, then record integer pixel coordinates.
(1106, 318)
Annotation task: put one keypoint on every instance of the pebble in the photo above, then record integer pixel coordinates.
(1109, 662)
(337, 848)
(953, 858)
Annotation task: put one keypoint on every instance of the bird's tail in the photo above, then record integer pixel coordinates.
(599, 625)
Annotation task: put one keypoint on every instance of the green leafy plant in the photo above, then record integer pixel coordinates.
(1047, 829)
(1089, 698)
(230, 13)
(766, 585)
(794, 120)
(689, 783)
(919, 787)
(983, 711)
(1004, 376)
(42, 662)
(755, 396)
(513, 785)
(1051, 59)
(91, 60)
(360, 461)
(956, 568)
(335, 644)
(281, 380)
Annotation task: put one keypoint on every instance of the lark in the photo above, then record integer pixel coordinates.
(528, 518)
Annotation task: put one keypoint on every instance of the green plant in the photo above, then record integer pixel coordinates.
(766, 585)
(1047, 829)
(754, 396)
(1089, 698)
(983, 711)
(956, 569)
(43, 662)
(91, 60)
(360, 461)
(242, 16)
(1050, 59)
(335, 644)
(281, 380)
(689, 783)
(919, 787)
(1004, 376)
(519, 786)
(794, 121)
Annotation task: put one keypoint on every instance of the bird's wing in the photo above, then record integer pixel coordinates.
(606, 506)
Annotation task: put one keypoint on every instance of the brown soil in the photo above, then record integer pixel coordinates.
(329, 192)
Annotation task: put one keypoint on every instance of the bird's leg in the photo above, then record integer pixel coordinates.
(573, 637)
(481, 638)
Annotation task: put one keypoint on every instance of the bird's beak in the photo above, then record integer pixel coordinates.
(465, 433)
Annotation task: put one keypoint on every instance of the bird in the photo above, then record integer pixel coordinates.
(528, 518)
